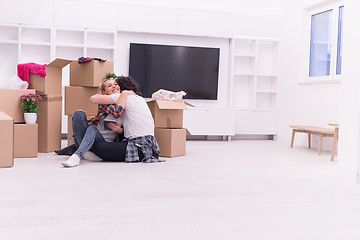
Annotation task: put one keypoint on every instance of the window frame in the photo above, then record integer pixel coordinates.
(310, 11)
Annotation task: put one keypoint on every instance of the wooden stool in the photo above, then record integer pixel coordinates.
(336, 138)
(322, 132)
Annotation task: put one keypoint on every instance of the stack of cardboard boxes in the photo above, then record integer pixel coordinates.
(85, 80)
(49, 114)
(6, 140)
(169, 131)
(23, 138)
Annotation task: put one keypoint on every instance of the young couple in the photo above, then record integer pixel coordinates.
(124, 113)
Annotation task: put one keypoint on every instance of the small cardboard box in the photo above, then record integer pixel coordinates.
(167, 114)
(25, 140)
(78, 98)
(10, 102)
(49, 123)
(6, 140)
(172, 142)
(90, 74)
(52, 82)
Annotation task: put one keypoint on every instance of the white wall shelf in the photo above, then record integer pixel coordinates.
(254, 84)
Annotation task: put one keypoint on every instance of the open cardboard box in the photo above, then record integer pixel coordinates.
(52, 82)
(6, 140)
(167, 114)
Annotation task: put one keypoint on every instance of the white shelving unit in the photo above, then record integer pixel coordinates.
(75, 43)
(23, 43)
(9, 46)
(254, 84)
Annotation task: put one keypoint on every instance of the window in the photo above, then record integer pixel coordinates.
(325, 49)
(339, 41)
(320, 44)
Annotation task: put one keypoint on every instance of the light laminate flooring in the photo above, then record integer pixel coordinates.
(242, 189)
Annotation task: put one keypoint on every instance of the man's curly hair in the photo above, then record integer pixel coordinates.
(128, 83)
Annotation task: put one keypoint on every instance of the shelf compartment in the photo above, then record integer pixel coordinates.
(8, 68)
(266, 100)
(267, 84)
(267, 58)
(35, 54)
(70, 37)
(9, 33)
(244, 47)
(243, 92)
(71, 53)
(100, 39)
(245, 66)
(36, 35)
(107, 54)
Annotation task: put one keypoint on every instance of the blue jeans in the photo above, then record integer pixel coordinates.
(85, 135)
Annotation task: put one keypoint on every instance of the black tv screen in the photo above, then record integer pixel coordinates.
(193, 70)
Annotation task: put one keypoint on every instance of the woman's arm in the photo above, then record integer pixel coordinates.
(107, 99)
(101, 99)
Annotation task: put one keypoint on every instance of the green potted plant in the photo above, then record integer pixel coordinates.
(110, 76)
(30, 104)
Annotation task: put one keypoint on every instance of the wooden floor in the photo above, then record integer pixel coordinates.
(251, 190)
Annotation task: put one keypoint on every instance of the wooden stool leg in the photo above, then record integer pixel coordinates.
(309, 140)
(336, 135)
(320, 144)
(292, 138)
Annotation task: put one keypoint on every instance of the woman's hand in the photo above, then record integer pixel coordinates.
(115, 127)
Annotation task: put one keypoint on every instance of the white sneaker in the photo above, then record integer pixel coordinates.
(73, 161)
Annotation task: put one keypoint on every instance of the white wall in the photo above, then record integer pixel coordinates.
(302, 104)
(349, 138)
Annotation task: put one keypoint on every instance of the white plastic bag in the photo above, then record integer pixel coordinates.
(13, 83)
(168, 95)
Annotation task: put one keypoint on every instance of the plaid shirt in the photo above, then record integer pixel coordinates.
(147, 145)
(103, 110)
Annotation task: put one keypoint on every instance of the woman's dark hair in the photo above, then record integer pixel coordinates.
(128, 83)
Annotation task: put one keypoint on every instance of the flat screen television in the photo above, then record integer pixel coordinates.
(193, 70)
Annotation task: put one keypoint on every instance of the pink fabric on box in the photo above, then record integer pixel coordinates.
(25, 69)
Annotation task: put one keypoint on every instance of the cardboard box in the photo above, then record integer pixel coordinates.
(49, 123)
(52, 82)
(90, 74)
(172, 142)
(6, 140)
(10, 103)
(167, 114)
(70, 133)
(25, 140)
(78, 98)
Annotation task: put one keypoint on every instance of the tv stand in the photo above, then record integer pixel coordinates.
(210, 122)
